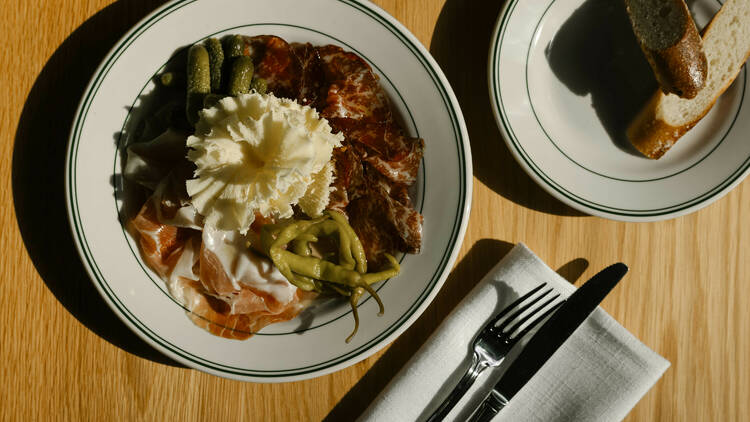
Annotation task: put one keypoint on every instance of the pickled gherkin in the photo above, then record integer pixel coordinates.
(240, 76)
(198, 81)
(167, 79)
(216, 62)
(234, 46)
(259, 85)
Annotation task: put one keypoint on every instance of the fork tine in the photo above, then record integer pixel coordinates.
(514, 304)
(533, 312)
(539, 319)
(523, 309)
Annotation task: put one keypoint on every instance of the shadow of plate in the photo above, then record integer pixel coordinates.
(38, 172)
(460, 44)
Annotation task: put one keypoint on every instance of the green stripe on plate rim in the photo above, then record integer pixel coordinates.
(507, 128)
(143, 330)
(552, 141)
(159, 284)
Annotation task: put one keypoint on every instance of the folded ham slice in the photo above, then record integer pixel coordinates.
(224, 287)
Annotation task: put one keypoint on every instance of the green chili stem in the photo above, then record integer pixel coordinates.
(353, 301)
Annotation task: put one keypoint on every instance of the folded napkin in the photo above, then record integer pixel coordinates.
(598, 374)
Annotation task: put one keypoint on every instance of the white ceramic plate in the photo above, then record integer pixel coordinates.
(562, 76)
(313, 344)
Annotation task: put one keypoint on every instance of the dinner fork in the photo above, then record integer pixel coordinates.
(494, 342)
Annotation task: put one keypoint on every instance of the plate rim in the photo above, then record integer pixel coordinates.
(452, 250)
(713, 194)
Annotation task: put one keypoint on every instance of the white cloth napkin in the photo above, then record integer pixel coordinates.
(598, 374)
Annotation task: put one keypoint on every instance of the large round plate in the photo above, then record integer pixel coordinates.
(564, 77)
(312, 344)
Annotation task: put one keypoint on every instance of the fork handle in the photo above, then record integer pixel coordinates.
(490, 407)
(476, 368)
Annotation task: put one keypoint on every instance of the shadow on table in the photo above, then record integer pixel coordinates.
(460, 44)
(596, 53)
(480, 259)
(38, 171)
(482, 256)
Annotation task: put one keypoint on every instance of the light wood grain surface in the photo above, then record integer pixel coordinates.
(66, 356)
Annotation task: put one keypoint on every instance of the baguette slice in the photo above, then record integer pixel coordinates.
(671, 43)
(666, 117)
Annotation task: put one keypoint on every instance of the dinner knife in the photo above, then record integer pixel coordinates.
(548, 339)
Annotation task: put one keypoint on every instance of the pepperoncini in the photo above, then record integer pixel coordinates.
(288, 244)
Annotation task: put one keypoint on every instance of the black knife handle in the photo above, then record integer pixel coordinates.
(489, 407)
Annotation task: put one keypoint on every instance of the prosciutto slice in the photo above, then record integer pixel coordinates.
(214, 314)
(227, 296)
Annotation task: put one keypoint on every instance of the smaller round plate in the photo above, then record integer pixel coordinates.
(567, 76)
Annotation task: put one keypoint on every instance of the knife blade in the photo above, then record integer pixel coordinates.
(549, 338)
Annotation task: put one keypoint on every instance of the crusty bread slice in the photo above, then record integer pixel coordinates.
(666, 117)
(670, 42)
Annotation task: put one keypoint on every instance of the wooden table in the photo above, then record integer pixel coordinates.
(66, 356)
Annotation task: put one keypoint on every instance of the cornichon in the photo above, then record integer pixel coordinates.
(259, 85)
(234, 46)
(240, 75)
(198, 81)
(167, 79)
(216, 61)
(288, 244)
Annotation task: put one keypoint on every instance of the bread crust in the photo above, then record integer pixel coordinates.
(681, 68)
(651, 135)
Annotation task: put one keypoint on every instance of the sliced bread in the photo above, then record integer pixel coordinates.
(666, 117)
(670, 42)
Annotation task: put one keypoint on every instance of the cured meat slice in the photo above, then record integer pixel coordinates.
(369, 222)
(312, 86)
(213, 314)
(276, 63)
(354, 91)
(379, 205)
(383, 221)
(172, 203)
(348, 177)
(198, 278)
(400, 193)
(228, 266)
(388, 150)
(149, 162)
(161, 245)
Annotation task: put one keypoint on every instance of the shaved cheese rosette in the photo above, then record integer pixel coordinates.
(259, 153)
